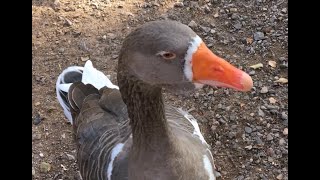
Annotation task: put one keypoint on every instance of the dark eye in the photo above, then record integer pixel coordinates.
(167, 55)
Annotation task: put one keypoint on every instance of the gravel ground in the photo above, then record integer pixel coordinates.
(247, 131)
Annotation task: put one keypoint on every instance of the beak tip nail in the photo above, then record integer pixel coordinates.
(246, 82)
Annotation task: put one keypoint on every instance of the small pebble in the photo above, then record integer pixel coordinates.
(280, 176)
(258, 36)
(284, 116)
(36, 136)
(192, 24)
(70, 157)
(264, 90)
(45, 167)
(269, 137)
(252, 72)
(260, 112)
(178, 4)
(281, 142)
(37, 119)
(248, 129)
(33, 171)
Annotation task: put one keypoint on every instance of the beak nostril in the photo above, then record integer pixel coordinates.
(217, 69)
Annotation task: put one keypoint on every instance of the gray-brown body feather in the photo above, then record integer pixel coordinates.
(101, 121)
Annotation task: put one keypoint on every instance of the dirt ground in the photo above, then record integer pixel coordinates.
(248, 132)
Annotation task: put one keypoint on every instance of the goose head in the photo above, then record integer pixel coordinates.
(169, 53)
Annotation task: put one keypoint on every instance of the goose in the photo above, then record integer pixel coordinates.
(128, 131)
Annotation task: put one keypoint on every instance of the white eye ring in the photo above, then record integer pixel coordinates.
(166, 55)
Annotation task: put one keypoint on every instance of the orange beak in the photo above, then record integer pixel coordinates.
(212, 70)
